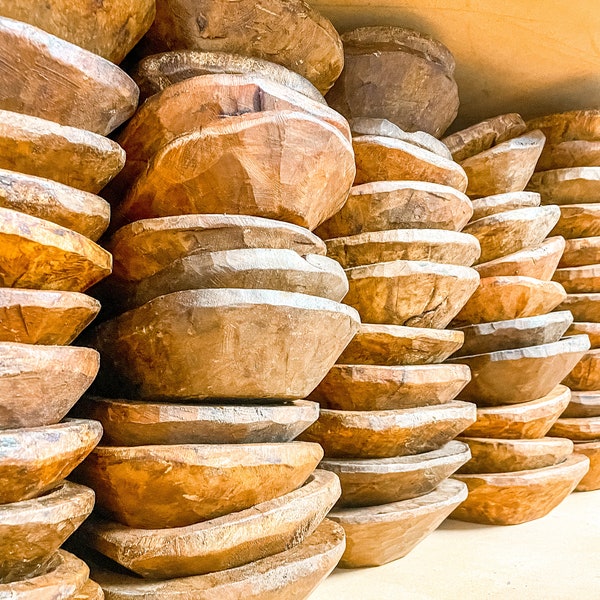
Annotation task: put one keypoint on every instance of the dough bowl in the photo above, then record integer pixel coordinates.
(584, 307)
(591, 480)
(570, 125)
(499, 203)
(569, 154)
(585, 375)
(583, 404)
(578, 185)
(578, 280)
(586, 429)
(580, 252)
(578, 221)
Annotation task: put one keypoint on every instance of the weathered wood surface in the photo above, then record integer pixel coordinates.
(592, 330)
(181, 346)
(33, 530)
(585, 307)
(576, 185)
(532, 372)
(591, 480)
(567, 126)
(583, 404)
(416, 294)
(388, 433)
(579, 429)
(223, 543)
(400, 75)
(499, 203)
(513, 498)
(33, 460)
(578, 221)
(79, 88)
(377, 535)
(567, 155)
(577, 280)
(179, 485)
(376, 481)
(581, 252)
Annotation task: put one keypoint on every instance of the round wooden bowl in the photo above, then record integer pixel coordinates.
(389, 433)
(416, 294)
(131, 423)
(585, 307)
(585, 375)
(532, 372)
(578, 280)
(434, 245)
(591, 480)
(579, 429)
(532, 494)
(374, 387)
(576, 185)
(376, 535)
(578, 221)
(376, 481)
(33, 530)
(207, 343)
(570, 125)
(396, 345)
(581, 252)
(385, 205)
(569, 154)
(583, 404)
(223, 543)
(179, 485)
(499, 203)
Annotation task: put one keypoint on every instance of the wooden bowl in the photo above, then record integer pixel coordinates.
(294, 573)
(374, 387)
(389, 433)
(591, 480)
(578, 221)
(223, 543)
(33, 460)
(131, 423)
(581, 252)
(375, 481)
(506, 298)
(181, 345)
(581, 429)
(231, 173)
(179, 485)
(570, 125)
(396, 345)
(577, 280)
(585, 307)
(376, 535)
(44, 317)
(385, 205)
(416, 294)
(400, 74)
(539, 262)
(577, 185)
(568, 155)
(585, 375)
(531, 494)
(40, 384)
(583, 404)
(33, 530)
(499, 203)
(434, 245)
(508, 232)
(381, 158)
(532, 372)
(506, 167)
(515, 333)
(530, 420)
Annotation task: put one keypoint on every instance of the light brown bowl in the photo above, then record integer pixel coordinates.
(584, 307)
(591, 480)
(579, 280)
(577, 185)
(585, 375)
(583, 404)
(499, 203)
(580, 252)
(578, 221)
(581, 429)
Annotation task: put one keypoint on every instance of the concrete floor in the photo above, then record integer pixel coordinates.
(554, 558)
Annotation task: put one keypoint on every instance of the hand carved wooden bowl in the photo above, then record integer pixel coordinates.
(499, 203)
(506, 298)
(131, 423)
(389, 433)
(223, 543)
(230, 172)
(84, 89)
(582, 429)
(585, 307)
(33, 530)
(585, 376)
(416, 294)
(208, 343)
(33, 460)
(385, 205)
(434, 245)
(577, 185)
(180, 485)
(578, 280)
(590, 481)
(294, 573)
(532, 372)
(578, 221)
(396, 345)
(374, 387)
(521, 496)
(568, 155)
(400, 74)
(570, 125)
(583, 404)
(530, 420)
(580, 252)
(375, 481)
(376, 535)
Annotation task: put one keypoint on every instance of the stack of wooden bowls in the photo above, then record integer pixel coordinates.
(513, 342)
(568, 174)
(57, 101)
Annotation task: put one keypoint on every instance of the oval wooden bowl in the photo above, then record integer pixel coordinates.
(532, 372)
(376, 535)
(569, 154)
(223, 543)
(33, 460)
(583, 404)
(507, 298)
(591, 480)
(396, 345)
(578, 185)
(570, 125)
(578, 221)
(389, 433)
(499, 203)
(179, 485)
(585, 375)
(578, 280)
(33, 530)
(434, 245)
(374, 387)
(131, 423)
(584, 307)
(416, 294)
(529, 420)
(513, 498)
(181, 345)
(385, 205)
(376, 481)
(580, 252)
(582, 429)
